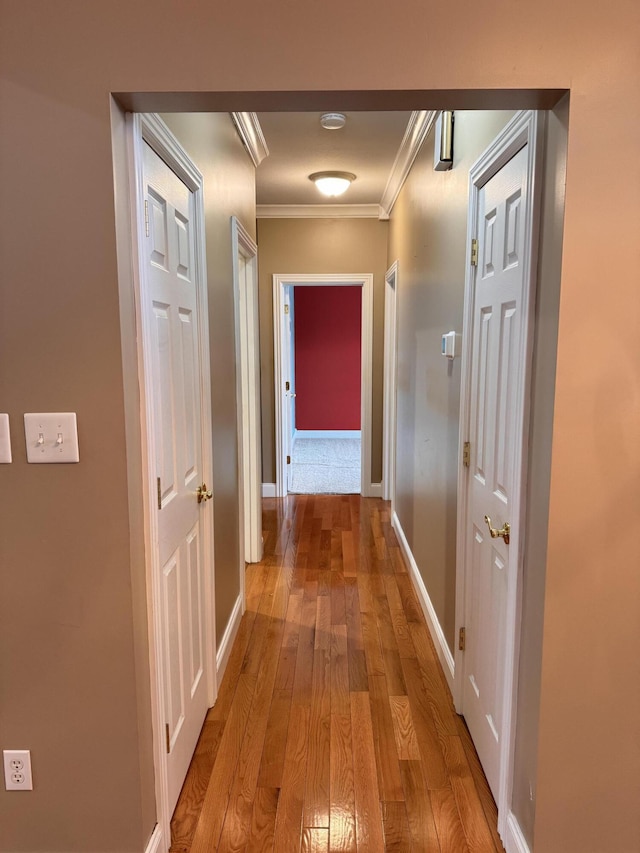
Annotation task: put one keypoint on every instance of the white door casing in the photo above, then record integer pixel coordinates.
(499, 300)
(289, 362)
(390, 374)
(176, 429)
(282, 402)
(245, 276)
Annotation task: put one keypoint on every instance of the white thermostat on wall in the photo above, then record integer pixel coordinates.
(449, 345)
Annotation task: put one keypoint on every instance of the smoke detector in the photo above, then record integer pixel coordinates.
(333, 121)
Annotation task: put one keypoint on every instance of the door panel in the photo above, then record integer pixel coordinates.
(175, 368)
(195, 596)
(498, 348)
(163, 399)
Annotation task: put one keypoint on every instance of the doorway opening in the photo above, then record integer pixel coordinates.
(292, 281)
(319, 450)
(326, 389)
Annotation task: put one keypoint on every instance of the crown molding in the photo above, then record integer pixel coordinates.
(318, 211)
(417, 131)
(251, 134)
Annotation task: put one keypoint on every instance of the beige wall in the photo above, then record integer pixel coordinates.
(320, 246)
(211, 141)
(68, 672)
(428, 235)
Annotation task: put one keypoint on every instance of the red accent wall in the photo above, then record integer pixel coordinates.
(327, 322)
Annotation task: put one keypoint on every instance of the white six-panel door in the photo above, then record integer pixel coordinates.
(171, 308)
(499, 347)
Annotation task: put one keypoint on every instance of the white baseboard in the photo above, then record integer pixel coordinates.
(268, 490)
(224, 650)
(437, 634)
(514, 840)
(155, 842)
(326, 433)
(375, 490)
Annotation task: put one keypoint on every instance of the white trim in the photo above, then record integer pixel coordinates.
(514, 840)
(268, 490)
(327, 433)
(230, 633)
(247, 345)
(364, 280)
(389, 413)
(250, 132)
(155, 842)
(152, 130)
(318, 211)
(375, 490)
(435, 629)
(524, 129)
(418, 128)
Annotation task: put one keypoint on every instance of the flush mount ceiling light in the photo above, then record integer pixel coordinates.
(333, 121)
(332, 183)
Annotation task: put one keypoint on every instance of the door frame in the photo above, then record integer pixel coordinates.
(149, 128)
(365, 281)
(389, 428)
(247, 385)
(525, 128)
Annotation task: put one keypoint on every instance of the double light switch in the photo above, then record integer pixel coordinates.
(51, 437)
(5, 439)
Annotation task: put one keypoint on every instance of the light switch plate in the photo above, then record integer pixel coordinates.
(51, 437)
(5, 439)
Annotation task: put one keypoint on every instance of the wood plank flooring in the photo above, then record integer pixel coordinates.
(334, 729)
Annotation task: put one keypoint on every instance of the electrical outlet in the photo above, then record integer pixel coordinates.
(17, 770)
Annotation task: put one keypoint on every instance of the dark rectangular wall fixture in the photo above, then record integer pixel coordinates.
(443, 150)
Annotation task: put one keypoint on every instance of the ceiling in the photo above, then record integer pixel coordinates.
(367, 146)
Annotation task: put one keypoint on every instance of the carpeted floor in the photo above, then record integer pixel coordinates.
(326, 466)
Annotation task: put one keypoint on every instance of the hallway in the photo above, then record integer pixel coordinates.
(334, 729)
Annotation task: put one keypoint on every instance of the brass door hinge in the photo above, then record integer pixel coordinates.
(462, 640)
(146, 218)
(286, 309)
(474, 253)
(466, 454)
(159, 494)
(287, 386)
(288, 460)
(168, 736)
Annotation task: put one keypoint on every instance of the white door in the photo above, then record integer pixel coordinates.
(290, 382)
(171, 308)
(498, 364)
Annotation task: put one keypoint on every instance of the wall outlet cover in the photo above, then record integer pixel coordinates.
(17, 770)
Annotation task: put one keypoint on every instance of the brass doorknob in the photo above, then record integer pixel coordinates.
(503, 531)
(203, 493)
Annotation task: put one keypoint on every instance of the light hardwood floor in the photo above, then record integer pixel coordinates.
(334, 729)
